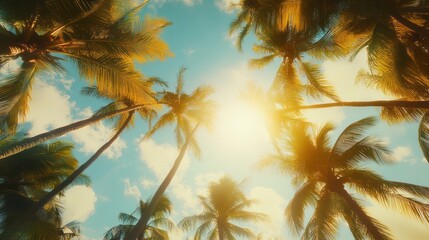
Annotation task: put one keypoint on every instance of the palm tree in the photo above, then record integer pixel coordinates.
(121, 123)
(291, 45)
(224, 206)
(189, 111)
(157, 223)
(99, 36)
(325, 175)
(27, 176)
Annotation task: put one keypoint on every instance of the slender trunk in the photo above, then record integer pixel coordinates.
(360, 213)
(379, 103)
(43, 137)
(49, 196)
(141, 225)
(423, 32)
(220, 232)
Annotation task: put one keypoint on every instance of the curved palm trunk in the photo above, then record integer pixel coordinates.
(38, 139)
(49, 196)
(379, 103)
(141, 225)
(360, 213)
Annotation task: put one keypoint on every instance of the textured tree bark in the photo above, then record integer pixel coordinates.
(141, 225)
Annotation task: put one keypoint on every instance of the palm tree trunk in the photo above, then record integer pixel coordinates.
(360, 213)
(423, 32)
(49, 196)
(141, 225)
(379, 103)
(220, 232)
(38, 139)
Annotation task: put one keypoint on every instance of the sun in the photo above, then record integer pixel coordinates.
(240, 126)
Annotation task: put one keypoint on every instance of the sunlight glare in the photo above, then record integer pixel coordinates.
(240, 127)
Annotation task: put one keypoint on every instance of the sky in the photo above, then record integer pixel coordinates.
(132, 169)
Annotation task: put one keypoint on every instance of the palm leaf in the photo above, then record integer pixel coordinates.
(315, 78)
(424, 135)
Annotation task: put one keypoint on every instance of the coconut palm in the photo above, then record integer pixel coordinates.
(158, 225)
(121, 123)
(223, 208)
(330, 177)
(291, 46)
(27, 176)
(98, 36)
(189, 111)
(313, 16)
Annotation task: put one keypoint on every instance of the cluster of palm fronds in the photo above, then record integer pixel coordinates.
(103, 39)
(302, 33)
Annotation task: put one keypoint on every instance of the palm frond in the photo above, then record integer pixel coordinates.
(294, 212)
(323, 223)
(315, 78)
(351, 135)
(424, 135)
(261, 62)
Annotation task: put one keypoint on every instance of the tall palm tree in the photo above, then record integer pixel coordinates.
(27, 176)
(158, 225)
(329, 177)
(189, 111)
(121, 123)
(290, 45)
(98, 36)
(223, 208)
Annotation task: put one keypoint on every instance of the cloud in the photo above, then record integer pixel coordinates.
(226, 5)
(91, 138)
(79, 204)
(147, 183)
(271, 204)
(131, 190)
(159, 158)
(188, 52)
(401, 153)
(49, 108)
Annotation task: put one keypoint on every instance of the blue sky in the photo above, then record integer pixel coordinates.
(132, 169)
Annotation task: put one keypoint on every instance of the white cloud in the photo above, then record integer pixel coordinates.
(271, 204)
(189, 52)
(159, 158)
(49, 108)
(79, 203)
(91, 138)
(226, 5)
(147, 183)
(401, 153)
(131, 190)
(190, 2)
